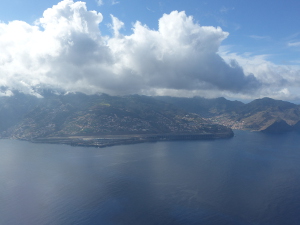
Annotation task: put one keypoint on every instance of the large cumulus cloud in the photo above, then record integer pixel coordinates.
(179, 55)
(65, 49)
(277, 81)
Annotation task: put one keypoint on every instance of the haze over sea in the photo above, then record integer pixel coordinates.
(253, 178)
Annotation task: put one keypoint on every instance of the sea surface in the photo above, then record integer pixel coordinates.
(253, 178)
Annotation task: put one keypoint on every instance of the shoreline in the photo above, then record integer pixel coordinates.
(101, 141)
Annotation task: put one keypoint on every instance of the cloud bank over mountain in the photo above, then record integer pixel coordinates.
(66, 50)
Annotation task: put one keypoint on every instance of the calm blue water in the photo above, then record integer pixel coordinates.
(253, 178)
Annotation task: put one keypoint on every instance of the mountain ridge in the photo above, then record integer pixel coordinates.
(256, 115)
(77, 114)
(135, 118)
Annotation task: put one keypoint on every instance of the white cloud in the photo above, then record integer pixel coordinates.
(257, 37)
(100, 2)
(114, 2)
(278, 81)
(65, 49)
(150, 10)
(116, 25)
(294, 44)
(226, 9)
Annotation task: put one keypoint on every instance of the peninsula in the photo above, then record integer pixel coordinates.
(101, 120)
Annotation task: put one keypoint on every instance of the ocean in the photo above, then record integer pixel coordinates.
(253, 178)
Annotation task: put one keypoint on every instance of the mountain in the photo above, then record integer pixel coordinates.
(142, 117)
(205, 107)
(278, 126)
(296, 127)
(262, 113)
(77, 114)
(257, 115)
(13, 108)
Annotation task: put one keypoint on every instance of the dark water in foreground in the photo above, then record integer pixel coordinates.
(253, 178)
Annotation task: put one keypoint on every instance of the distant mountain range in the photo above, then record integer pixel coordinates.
(76, 114)
(264, 114)
(144, 118)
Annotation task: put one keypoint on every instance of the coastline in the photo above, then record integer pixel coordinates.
(101, 141)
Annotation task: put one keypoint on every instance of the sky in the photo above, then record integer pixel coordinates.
(236, 49)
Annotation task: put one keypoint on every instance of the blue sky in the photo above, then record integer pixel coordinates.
(263, 37)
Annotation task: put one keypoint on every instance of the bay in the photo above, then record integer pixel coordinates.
(253, 178)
